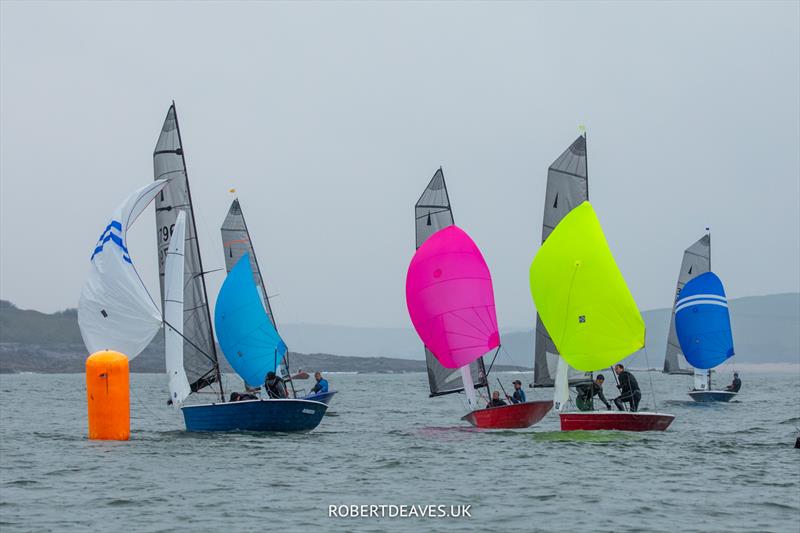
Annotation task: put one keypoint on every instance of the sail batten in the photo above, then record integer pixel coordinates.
(567, 187)
(696, 261)
(433, 212)
(200, 353)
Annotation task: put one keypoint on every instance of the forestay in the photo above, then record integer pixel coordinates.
(696, 261)
(451, 300)
(247, 337)
(703, 322)
(173, 313)
(199, 350)
(433, 212)
(567, 187)
(115, 311)
(581, 296)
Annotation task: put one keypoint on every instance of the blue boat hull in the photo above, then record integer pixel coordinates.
(255, 415)
(712, 396)
(324, 397)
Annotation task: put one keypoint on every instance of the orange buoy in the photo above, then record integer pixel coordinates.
(108, 396)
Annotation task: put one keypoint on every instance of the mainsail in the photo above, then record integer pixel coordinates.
(236, 243)
(200, 352)
(696, 261)
(432, 212)
(567, 187)
(115, 311)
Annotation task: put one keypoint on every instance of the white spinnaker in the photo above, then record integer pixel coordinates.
(561, 385)
(173, 313)
(115, 311)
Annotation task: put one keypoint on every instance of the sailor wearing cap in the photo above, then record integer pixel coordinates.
(519, 394)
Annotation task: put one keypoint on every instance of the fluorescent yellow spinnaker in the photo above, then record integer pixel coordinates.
(581, 296)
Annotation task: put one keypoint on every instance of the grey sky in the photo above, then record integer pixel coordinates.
(329, 119)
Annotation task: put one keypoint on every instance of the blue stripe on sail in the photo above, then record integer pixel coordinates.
(113, 237)
(246, 335)
(684, 299)
(701, 302)
(113, 224)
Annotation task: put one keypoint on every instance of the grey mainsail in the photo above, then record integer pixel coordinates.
(235, 243)
(199, 349)
(432, 212)
(567, 187)
(696, 261)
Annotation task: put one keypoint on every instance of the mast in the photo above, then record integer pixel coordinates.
(266, 296)
(199, 257)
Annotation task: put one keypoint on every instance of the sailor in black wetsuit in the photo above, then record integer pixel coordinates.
(587, 391)
(275, 386)
(736, 385)
(496, 401)
(628, 388)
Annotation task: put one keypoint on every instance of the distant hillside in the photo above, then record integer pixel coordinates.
(31, 341)
(766, 329)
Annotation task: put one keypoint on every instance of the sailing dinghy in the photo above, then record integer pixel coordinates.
(236, 243)
(588, 311)
(708, 311)
(199, 352)
(451, 304)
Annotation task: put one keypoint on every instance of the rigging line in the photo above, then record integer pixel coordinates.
(650, 375)
(184, 337)
(493, 359)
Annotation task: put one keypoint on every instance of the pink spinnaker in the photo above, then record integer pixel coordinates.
(450, 298)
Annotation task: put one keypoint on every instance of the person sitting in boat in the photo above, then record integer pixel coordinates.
(519, 394)
(321, 386)
(587, 391)
(275, 386)
(242, 396)
(496, 401)
(736, 385)
(628, 388)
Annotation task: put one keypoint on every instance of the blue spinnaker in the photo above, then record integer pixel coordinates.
(703, 323)
(245, 333)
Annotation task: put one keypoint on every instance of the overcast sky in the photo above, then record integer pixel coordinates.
(331, 118)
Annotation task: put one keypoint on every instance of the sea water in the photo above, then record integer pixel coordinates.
(719, 467)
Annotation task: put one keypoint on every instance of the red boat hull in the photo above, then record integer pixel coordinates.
(617, 421)
(513, 416)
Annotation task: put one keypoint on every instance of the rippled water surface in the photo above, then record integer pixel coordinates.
(720, 467)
